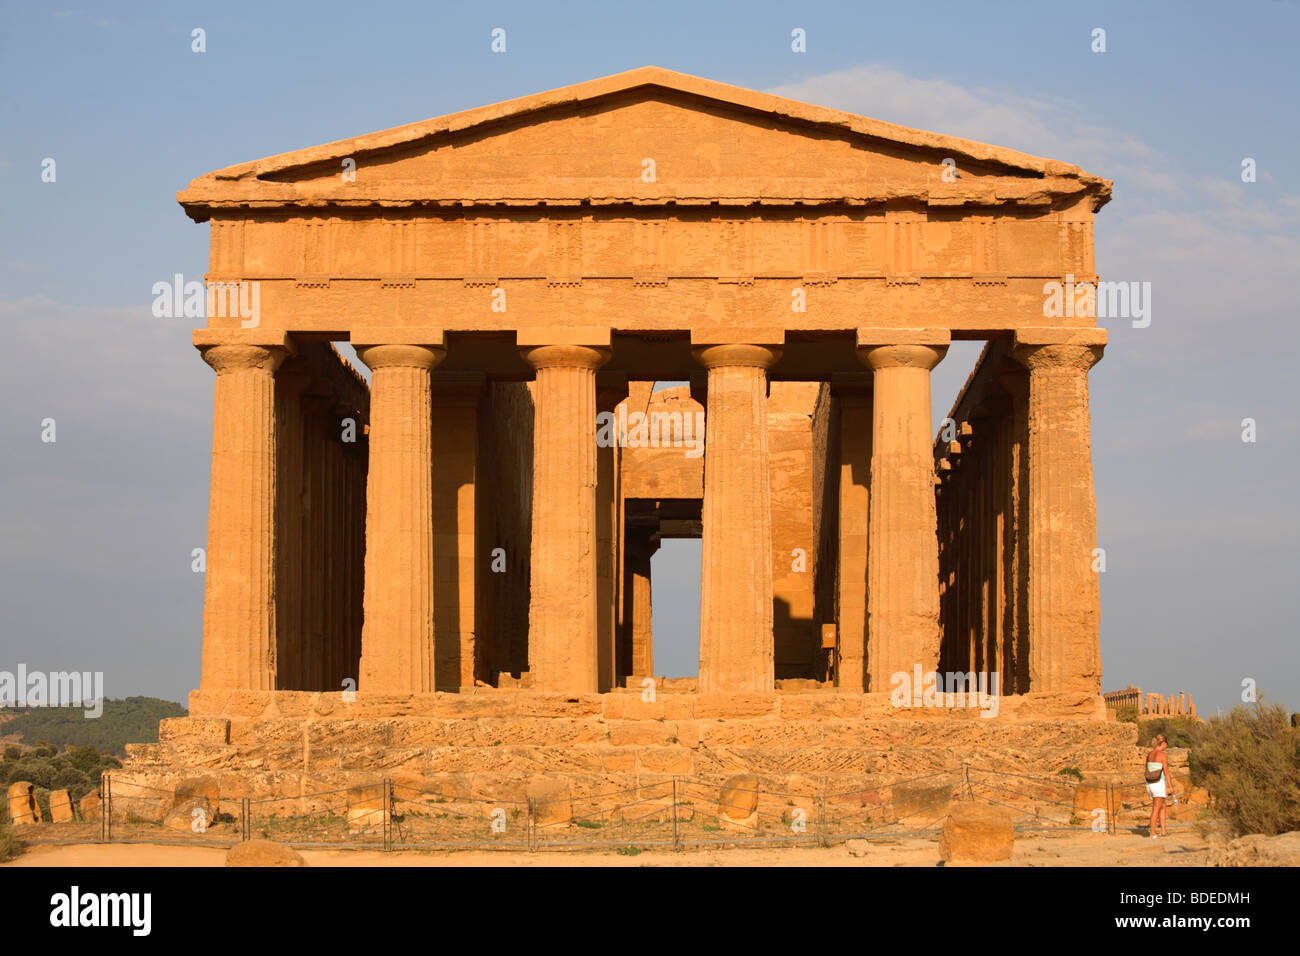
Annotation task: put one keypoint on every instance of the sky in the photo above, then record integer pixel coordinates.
(1199, 526)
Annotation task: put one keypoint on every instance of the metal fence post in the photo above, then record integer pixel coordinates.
(388, 813)
(245, 824)
(823, 827)
(530, 825)
(108, 805)
(676, 833)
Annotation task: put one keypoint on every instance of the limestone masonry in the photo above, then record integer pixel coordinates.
(463, 548)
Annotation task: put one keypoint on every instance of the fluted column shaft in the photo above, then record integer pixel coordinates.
(397, 650)
(1063, 593)
(563, 631)
(239, 628)
(903, 550)
(736, 644)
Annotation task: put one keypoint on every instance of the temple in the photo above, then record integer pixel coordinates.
(509, 273)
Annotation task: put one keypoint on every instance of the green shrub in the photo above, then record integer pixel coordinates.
(12, 752)
(84, 759)
(1179, 731)
(37, 770)
(9, 845)
(1249, 761)
(74, 781)
(1127, 714)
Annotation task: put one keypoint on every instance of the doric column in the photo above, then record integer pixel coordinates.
(611, 388)
(239, 627)
(1064, 597)
(903, 550)
(853, 393)
(562, 620)
(736, 651)
(397, 650)
(455, 479)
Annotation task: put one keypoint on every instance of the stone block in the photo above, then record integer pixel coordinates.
(920, 802)
(60, 806)
(89, 806)
(22, 804)
(366, 808)
(977, 833)
(263, 853)
(552, 801)
(738, 802)
(199, 730)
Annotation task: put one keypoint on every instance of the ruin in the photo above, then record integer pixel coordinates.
(400, 573)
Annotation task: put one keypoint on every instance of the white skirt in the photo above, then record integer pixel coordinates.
(1156, 789)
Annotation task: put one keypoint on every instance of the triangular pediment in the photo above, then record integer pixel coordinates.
(649, 137)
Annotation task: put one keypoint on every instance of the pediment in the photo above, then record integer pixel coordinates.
(646, 137)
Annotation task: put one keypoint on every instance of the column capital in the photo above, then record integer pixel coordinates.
(924, 357)
(736, 356)
(565, 356)
(902, 348)
(1040, 349)
(233, 350)
(401, 356)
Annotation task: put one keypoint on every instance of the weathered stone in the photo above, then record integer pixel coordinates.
(977, 833)
(1257, 849)
(194, 814)
(263, 853)
(60, 806)
(365, 808)
(89, 806)
(738, 802)
(192, 787)
(22, 804)
(552, 802)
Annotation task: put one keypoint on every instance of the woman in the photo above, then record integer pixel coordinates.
(1158, 760)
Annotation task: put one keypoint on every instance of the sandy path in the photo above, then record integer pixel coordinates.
(1183, 848)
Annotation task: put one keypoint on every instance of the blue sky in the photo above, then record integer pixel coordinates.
(1200, 528)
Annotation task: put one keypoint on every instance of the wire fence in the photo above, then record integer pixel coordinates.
(672, 812)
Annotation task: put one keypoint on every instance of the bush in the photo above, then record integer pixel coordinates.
(1249, 761)
(1179, 731)
(1127, 714)
(37, 770)
(12, 752)
(74, 781)
(85, 759)
(9, 845)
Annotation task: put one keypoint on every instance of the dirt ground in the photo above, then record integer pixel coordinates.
(1185, 847)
